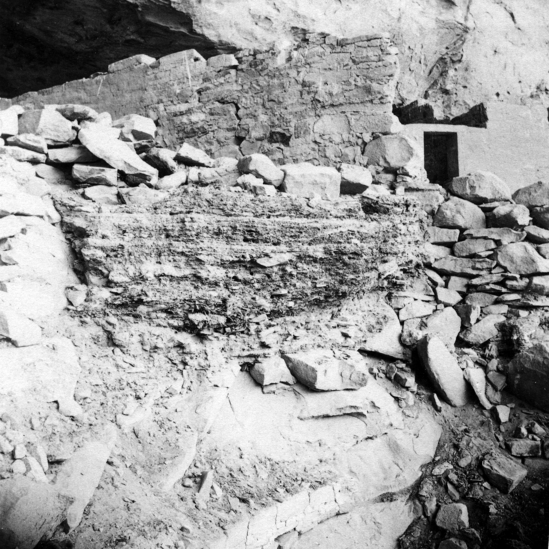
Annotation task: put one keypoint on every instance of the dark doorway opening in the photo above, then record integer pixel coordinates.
(441, 156)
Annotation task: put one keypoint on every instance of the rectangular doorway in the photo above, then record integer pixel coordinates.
(441, 156)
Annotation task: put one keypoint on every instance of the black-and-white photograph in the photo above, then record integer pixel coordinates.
(274, 274)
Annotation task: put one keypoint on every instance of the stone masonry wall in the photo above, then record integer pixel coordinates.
(318, 103)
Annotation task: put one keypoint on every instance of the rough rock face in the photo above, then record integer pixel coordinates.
(447, 47)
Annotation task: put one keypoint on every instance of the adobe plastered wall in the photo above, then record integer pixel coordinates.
(318, 101)
(514, 146)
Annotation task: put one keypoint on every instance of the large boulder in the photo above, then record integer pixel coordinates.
(263, 167)
(460, 214)
(480, 188)
(29, 510)
(308, 181)
(393, 152)
(443, 370)
(118, 155)
(536, 194)
(49, 124)
(320, 370)
(522, 258)
(528, 375)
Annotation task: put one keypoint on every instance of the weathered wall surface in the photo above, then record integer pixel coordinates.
(514, 145)
(316, 102)
(454, 52)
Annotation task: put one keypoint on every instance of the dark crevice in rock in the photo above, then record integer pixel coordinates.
(47, 43)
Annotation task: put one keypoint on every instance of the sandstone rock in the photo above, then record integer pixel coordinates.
(23, 155)
(135, 127)
(473, 246)
(21, 331)
(462, 266)
(453, 517)
(480, 187)
(416, 309)
(523, 447)
(77, 294)
(29, 141)
(468, 313)
(102, 194)
(51, 174)
(79, 476)
(438, 235)
(483, 331)
(171, 182)
(477, 379)
(119, 156)
(480, 299)
(261, 166)
(320, 370)
(459, 284)
(452, 543)
(21, 204)
(222, 61)
(522, 258)
(77, 112)
(9, 123)
(354, 179)
(387, 341)
(447, 297)
(392, 151)
(435, 278)
(459, 214)
(131, 62)
(536, 194)
(308, 181)
(162, 159)
(503, 472)
(29, 511)
(71, 155)
(264, 190)
(443, 370)
(510, 215)
(11, 225)
(434, 253)
(539, 285)
(142, 195)
(94, 175)
(272, 370)
(537, 235)
(106, 129)
(444, 324)
(528, 375)
(191, 156)
(49, 124)
(502, 235)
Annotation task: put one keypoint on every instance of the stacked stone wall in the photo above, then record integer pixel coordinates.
(319, 101)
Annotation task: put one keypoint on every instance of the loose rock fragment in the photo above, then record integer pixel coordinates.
(477, 379)
(453, 517)
(483, 331)
(443, 370)
(524, 447)
(135, 127)
(272, 370)
(459, 214)
(320, 370)
(71, 155)
(522, 258)
(49, 124)
(29, 141)
(510, 215)
(191, 156)
(261, 166)
(503, 472)
(308, 181)
(536, 194)
(480, 187)
(23, 155)
(354, 179)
